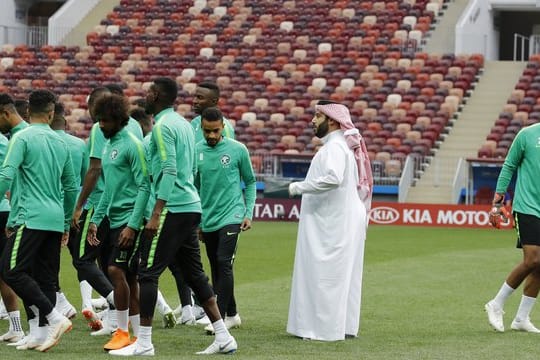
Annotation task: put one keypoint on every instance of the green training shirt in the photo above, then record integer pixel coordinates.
(96, 144)
(47, 185)
(220, 170)
(152, 198)
(4, 203)
(127, 185)
(14, 189)
(172, 152)
(77, 150)
(523, 156)
(228, 130)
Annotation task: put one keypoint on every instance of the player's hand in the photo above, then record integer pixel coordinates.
(75, 218)
(91, 236)
(152, 226)
(499, 216)
(126, 238)
(65, 239)
(292, 189)
(246, 225)
(9, 231)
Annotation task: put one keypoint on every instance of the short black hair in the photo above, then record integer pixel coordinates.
(168, 89)
(140, 102)
(326, 102)
(140, 115)
(41, 101)
(59, 109)
(6, 99)
(112, 107)
(115, 89)
(211, 86)
(212, 114)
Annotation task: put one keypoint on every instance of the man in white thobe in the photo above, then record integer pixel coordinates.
(336, 196)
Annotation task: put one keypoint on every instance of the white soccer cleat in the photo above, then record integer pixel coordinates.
(198, 311)
(233, 321)
(169, 320)
(3, 311)
(134, 349)
(524, 325)
(29, 343)
(20, 342)
(187, 319)
(227, 347)
(12, 336)
(495, 316)
(205, 320)
(54, 333)
(99, 303)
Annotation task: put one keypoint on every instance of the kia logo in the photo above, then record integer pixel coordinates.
(383, 215)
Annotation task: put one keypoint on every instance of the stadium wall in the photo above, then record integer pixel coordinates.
(389, 213)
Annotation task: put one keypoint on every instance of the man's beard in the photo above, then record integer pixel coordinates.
(322, 129)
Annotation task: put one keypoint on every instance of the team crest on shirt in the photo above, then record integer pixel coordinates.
(114, 154)
(225, 160)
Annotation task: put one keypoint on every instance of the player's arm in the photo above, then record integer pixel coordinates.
(250, 194)
(165, 147)
(84, 165)
(142, 179)
(12, 162)
(70, 188)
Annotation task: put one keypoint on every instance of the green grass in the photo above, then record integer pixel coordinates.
(423, 296)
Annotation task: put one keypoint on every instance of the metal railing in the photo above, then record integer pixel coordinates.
(29, 35)
(525, 46)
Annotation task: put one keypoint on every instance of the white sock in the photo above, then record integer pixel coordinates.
(161, 304)
(135, 321)
(2, 306)
(15, 320)
(222, 334)
(110, 298)
(33, 325)
(525, 307)
(86, 294)
(504, 292)
(122, 317)
(60, 299)
(113, 318)
(41, 333)
(145, 336)
(54, 317)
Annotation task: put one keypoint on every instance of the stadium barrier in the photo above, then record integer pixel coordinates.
(389, 213)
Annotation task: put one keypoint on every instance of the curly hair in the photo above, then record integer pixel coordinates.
(112, 107)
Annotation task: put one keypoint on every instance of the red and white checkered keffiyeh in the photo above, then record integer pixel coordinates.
(341, 114)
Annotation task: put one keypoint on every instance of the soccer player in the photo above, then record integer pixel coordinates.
(328, 264)
(88, 199)
(171, 232)
(9, 119)
(222, 164)
(522, 158)
(207, 95)
(22, 108)
(31, 259)
(127, 187)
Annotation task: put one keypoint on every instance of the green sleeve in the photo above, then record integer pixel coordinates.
(101, 209)
(12, 162)
(229, 129)
(511, 163)
(140, 173)
(70, 188)
(167, 155)
(84, 165)
(248, 176)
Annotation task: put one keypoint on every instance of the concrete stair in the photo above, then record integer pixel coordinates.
(77, 36)
(442, 39)
(468, 132)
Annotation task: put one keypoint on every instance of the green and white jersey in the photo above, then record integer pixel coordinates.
(523, 157)
(127, 184)
(228, 130)
(220, 170)
(172, 153)
(77, 149)
(47, 185)
(4, 203)
(96, 145)
(14, 189)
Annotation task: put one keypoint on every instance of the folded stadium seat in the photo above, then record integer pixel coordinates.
(504, 144)
(393, 168)
(485, 152)
(521, 116)
(500, 153)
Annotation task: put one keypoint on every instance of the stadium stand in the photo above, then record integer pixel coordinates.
(272, 61)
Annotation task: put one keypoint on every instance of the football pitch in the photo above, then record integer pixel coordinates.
(423, 296)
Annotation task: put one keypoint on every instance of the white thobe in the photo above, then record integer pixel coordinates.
(327, 277)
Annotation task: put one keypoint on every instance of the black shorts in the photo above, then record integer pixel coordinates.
(3, 221)
(528, 229)
(125, 258)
